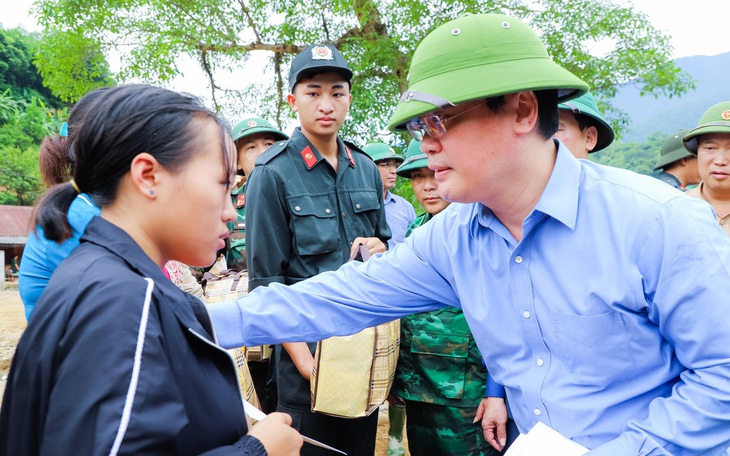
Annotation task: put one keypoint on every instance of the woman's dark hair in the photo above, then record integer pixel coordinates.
(125, 122)
(547, 110)
(55, 159)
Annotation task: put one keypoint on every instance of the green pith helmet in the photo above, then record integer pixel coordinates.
(587, 106)
(254, 125)
(414, 159)
(379, 152)
(479, 56)
(672, 149)
(714, 120)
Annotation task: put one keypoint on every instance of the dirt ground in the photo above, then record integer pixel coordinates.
(12, 324)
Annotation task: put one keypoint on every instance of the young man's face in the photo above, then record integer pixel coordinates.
(578, 141)
(321, 103)
(713, 160)
(388, 175)
(426, 188)
(250, 147)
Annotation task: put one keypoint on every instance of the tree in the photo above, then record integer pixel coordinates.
(600, 41)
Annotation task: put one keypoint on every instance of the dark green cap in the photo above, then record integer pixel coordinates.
(714, 120)
(415, 159)
(380, 151)
(672, 149)
(253, 125)
(586, 105)
(320, 58)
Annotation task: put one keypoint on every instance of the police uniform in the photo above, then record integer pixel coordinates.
(302, 217)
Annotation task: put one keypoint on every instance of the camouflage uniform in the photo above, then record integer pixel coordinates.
(441, 376)
(236, 251)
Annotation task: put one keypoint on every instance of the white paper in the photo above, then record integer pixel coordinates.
(542, 440)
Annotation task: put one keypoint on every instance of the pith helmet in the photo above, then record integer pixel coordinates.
(414, 159)
(586, 105)
(479, 56)
(380, 151)
(714, 120)
(254, 125)
(672, 149)
(320, 58)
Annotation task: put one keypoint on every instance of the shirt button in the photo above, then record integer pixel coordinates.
(518, 259)
(540, 362)
(722, 222)
(357, 206)
(327, 211)
(537, 412)
(344, 215)
(297, 208)
(526, 314)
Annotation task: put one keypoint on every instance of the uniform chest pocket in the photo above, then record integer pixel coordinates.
(314, 222)
(442, 361)
(364, 209)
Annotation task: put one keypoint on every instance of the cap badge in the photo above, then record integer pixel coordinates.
(726, 115)
(322, 53)
(251, 123)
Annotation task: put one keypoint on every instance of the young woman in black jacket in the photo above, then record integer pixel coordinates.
(117, 359)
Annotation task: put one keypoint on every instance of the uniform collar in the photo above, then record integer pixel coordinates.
(310, 155)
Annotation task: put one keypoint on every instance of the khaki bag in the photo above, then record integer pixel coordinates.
(352, 375)
(229, 285)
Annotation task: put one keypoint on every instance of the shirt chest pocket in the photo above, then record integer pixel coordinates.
(364, 207)
(314, 222)
(442, 361)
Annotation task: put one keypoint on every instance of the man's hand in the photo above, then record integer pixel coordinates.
(373, 244)
(493, 413)
(277, 435)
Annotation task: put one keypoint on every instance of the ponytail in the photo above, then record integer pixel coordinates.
(54, 161)
(51, 212)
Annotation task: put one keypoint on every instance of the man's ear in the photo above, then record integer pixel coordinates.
(145, 172)
(525, 104)
(591, 137)
(292, 100)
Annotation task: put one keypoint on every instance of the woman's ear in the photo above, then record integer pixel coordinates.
(145, 174)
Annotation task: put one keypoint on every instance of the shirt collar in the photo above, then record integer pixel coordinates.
(388, 197)
(311, 156)
(559, 199)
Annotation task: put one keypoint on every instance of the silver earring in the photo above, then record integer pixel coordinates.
(152, 193)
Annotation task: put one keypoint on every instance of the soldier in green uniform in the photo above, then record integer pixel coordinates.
(582, 128)
(310, 200)
(440, 373)
(252, 137)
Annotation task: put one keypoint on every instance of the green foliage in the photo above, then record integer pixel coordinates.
(599, 40)
(20, 183)
(637, 157)
(18, 73)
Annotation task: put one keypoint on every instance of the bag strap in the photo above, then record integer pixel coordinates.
(362, 250)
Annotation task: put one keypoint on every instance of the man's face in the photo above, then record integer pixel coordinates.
(569, 133)
(387, 173)
(713, 160)
(426, 188)
(321, 102)
(249, 149)
(472, 161)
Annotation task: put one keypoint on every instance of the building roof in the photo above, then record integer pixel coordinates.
(15, 224)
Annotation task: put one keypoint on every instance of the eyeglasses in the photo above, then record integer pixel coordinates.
(388, 164)
(433, 125)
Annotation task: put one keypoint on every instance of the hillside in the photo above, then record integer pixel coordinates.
(664, 115)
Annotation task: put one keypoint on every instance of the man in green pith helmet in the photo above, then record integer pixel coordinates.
(398, 211)
(595, 303)
(311, 200)
(440, 374)
(252, 137)
(582, 128)
(677, 165)
(710, 142)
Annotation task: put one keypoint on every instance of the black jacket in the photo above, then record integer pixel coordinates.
(116, 357)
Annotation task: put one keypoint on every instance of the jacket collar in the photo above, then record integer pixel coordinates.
(310, 155)
(108, 236)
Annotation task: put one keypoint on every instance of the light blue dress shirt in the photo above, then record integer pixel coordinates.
(399, 214)
(608, 321)
(41, 257)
